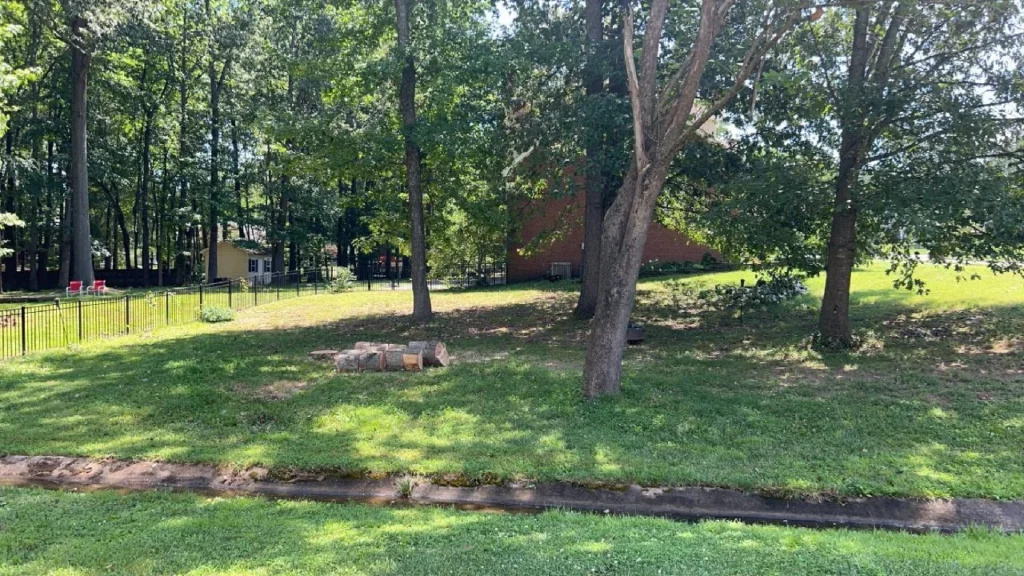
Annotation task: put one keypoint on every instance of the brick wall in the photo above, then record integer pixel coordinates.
(563, 219)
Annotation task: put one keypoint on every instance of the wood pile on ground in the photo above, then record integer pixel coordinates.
(380, 356)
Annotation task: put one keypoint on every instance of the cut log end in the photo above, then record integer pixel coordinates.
(434, 352)
(359, 361)
(395, 360)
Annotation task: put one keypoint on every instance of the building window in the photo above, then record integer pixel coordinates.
(266, 265)
(253, 263)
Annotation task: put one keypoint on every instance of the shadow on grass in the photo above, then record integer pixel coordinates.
(158, 533)
(730, 405)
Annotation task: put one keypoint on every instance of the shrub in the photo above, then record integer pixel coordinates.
(216, 314)
(762, 294)
(343, 281)
(659, 268)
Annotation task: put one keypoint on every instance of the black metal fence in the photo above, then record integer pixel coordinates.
(378, 276)
(34, 328)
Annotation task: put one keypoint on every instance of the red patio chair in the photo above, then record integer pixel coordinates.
(74, 288)
(98, 287)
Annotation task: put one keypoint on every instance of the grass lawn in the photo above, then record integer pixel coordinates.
(162, 533)
(931, 405)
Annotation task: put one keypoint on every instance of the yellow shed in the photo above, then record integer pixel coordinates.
(237, 259)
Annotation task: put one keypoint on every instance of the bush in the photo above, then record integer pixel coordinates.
(658, 268)
(344, 280)
(762, 294)
(216, 314)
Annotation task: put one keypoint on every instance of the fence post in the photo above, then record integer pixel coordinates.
(200, 296)
(80, 338)
(316, 280)
(230, 282)
(127, 314)
(24, 334)
(298, 283)
(167, 307)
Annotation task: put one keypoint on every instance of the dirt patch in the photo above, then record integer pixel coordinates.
(280, 390)
(682, 503)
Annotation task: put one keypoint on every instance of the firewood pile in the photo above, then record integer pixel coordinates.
(381, 357)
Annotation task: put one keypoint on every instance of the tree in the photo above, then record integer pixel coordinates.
(222, 45)
(421, 309)
(665, 121)
(81, 238)
(884, 129)
(880, 100)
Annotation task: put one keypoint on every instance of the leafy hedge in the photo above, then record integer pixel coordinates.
(216, 314)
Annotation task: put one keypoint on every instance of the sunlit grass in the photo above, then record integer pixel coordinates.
(930, 406)
(163, 533)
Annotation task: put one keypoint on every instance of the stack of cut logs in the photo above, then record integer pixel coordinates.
(377, 357)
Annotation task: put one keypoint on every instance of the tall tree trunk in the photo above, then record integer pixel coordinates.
(236, 179)
(421, 309)
(81, 239)
(834, 320)
(161, 221)
(37, 189)
(147, 175)
(108, 236)
(594, 182)
(51, 211)
(625, 235)
(9, 193)
(182, 227)
(216, 86)
(125, 235)
(280, 224)
(211, 259)
(661, 130)
(64, 275)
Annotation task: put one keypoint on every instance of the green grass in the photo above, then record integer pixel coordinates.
(162, 533)
(930, 406)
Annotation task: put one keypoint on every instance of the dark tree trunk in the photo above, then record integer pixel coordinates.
(51, 216)
(38, 186)
(834, 320)
(65, 242)
(108, 236)
(161, 221)
(125, 236)
(81, 238)
(211, 266)
(627, 223)
(281, 222)
(147, 174)
(236, 179)
(421, 309)
(594, 182)
(182, 229)
(8, 191)
(660, 130)
(340, 239)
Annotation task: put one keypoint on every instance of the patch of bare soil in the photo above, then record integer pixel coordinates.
(280, 390)
(684, 503)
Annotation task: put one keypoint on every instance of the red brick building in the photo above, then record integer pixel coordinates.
(562, 219)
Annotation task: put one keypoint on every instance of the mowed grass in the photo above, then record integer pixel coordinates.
(164, 533)
(932, 405)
